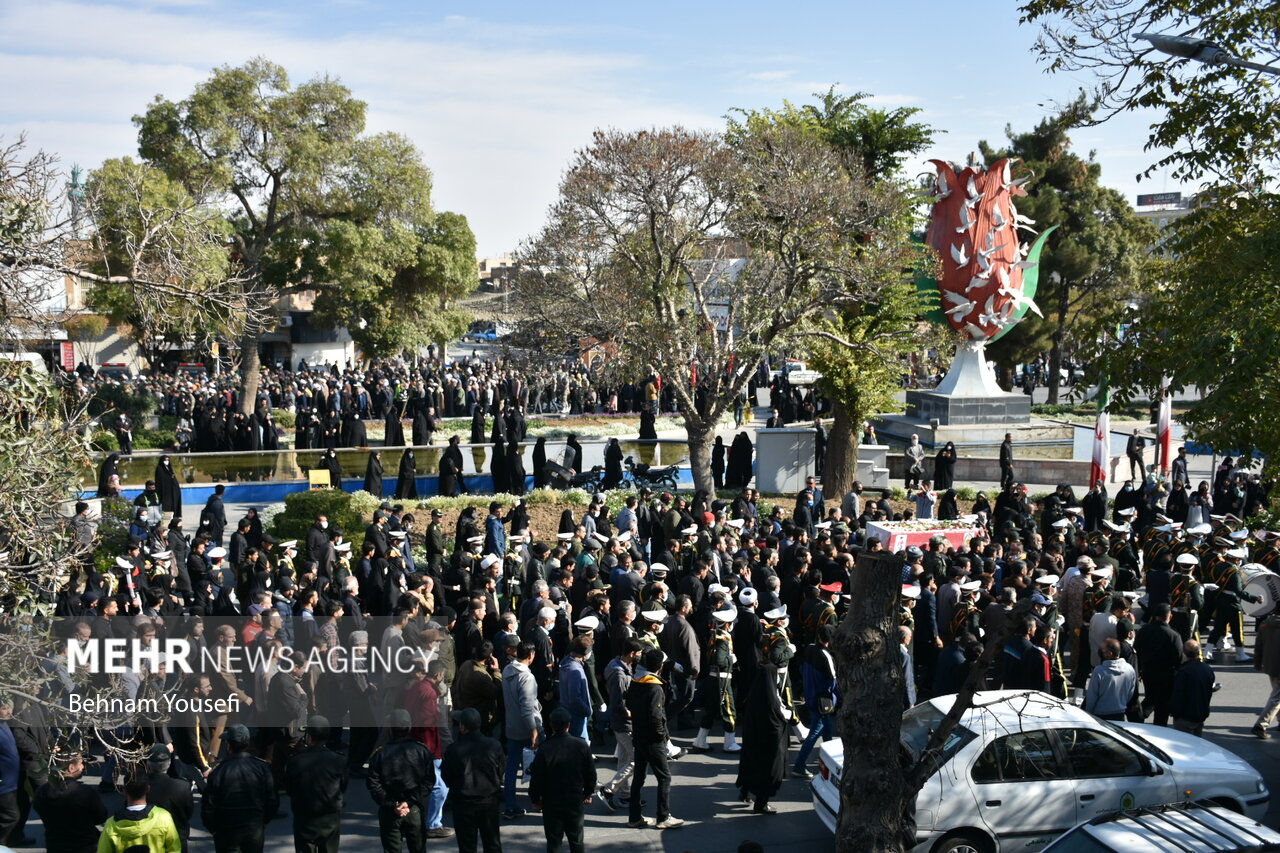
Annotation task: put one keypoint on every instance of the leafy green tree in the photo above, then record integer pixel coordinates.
(859, 350)
(1219, 122)
(403, 300)
(1222, 126)
(1096, 257)
(146, 227)
(312, 202)
(1212, 322)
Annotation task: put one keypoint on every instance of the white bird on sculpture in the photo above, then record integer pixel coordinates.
(997, 219)
(1021, 300)
(984, 264)
(976, 282)
(990, 316)
(958, 255)
(943, 189)
(975, 332)
(962, 306)
(966, 221)
(972, 189)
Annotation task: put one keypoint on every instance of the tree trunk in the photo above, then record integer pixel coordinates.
(701, 435)
(872, 818)
(1004, 377)
(841, 466)
(250, 370)
(1055, 352)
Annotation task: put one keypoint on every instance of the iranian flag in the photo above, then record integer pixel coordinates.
(1101, 439)
(1164, 435)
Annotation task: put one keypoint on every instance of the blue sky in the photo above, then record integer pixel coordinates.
(497, 96)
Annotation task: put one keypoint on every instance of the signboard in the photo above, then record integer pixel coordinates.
(1156, 199)
(720, 314)
(68, 355)
(897, 538)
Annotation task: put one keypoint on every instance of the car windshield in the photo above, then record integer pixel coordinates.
(1134, 737)
(920, 722)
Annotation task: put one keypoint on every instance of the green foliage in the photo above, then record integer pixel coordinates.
(143, 439)
(284, 418)
(113, 529)
(115, 398)
(1223, 340)
(315, 200)
(859, 350)
(880, 140)
(1213, 120)
(105, 441)
(85, 327)
(966, 493)
(159, 254)
(301, 509)
(897, 493)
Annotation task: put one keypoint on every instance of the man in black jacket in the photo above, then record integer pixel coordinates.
(1023, 665)
(168, 792)
(646, 700)
(316, 778)
(1006, 461)
(240, 797)
(472, 769)
(318, 539)
(562, 781)
(71, 811)
(400, 776)
(1159, 651)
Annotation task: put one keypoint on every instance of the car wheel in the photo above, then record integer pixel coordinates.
(964, 842)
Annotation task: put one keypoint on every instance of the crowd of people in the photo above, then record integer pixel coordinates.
(526, 654)
(332, 406)
(481, 663)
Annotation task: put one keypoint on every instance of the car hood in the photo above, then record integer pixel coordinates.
(1191, 754)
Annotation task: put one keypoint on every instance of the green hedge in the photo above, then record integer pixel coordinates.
(114, 398)
(143, 439)
(301, 509)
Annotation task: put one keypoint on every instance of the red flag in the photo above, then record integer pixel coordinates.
(1101, 440)
(1164, 433)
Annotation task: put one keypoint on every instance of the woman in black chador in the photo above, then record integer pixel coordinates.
(373, 474)
(407, 477)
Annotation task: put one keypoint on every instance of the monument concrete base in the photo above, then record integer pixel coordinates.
(952, 410)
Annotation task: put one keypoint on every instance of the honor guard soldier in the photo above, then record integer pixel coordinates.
(719, 702)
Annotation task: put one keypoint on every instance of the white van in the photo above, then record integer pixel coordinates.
(31, 359)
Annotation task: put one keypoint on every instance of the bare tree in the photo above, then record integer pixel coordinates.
(696, 258)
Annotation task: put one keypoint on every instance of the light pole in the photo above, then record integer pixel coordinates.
(1202, 50)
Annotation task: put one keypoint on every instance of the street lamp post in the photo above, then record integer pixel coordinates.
(1202, 50)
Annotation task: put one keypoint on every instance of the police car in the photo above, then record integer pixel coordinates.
(1023, 767)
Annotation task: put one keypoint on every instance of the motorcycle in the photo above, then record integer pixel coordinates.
(640, 475)
(562, 478)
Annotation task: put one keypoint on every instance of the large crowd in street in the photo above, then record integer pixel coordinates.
(478, 663)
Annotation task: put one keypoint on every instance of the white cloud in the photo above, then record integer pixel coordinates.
(497, 119)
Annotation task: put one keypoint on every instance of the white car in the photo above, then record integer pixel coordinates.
(1023, 767)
